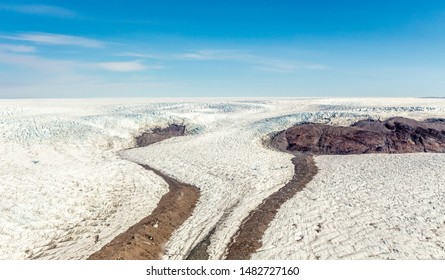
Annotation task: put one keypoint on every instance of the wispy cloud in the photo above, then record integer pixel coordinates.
(212, 54)
(17, 48)
(54, 39)
(37, 63)
(33, 74)
(42, 10)
(285, 66)
(258, 62)
(141, 55)
(199, 55)
(126, 66)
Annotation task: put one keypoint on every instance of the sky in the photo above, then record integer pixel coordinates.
(172, 48)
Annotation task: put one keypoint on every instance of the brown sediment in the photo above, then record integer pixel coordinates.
(248, 237)
(199, 252)
(395, 135)
(146, 239)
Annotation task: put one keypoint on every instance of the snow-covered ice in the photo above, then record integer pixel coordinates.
(61, 181)
(376, 206)
(65, 178)
(234, 170)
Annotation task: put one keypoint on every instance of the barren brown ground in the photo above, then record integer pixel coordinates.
(146, 239)
(248, 237)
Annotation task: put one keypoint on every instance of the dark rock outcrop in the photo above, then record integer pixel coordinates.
(159, 134)
(395, 135)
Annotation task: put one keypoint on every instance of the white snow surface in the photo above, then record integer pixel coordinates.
(376, 206)
(65, 178)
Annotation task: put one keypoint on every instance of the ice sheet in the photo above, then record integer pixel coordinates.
(377, 206)
(62, 181)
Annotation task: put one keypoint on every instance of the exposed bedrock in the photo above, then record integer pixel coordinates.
(394, 135)
(159, 134)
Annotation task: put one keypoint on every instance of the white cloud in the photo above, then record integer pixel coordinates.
(17, 48)
(140, 55)
(126, 66)
(33, 75)
(54, 39)
(43, 10)
(37, 63)
(258, 62)
(212, 54)
(47, 65)
(287, 67)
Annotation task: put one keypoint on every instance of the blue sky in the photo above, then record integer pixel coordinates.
(221, 48)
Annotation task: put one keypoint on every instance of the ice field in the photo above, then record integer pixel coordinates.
(374, 206)
(68, 185)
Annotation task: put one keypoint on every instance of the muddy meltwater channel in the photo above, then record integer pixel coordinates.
(248, 238)
(146, 239)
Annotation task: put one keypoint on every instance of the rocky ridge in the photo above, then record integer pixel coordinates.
(394, 135)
